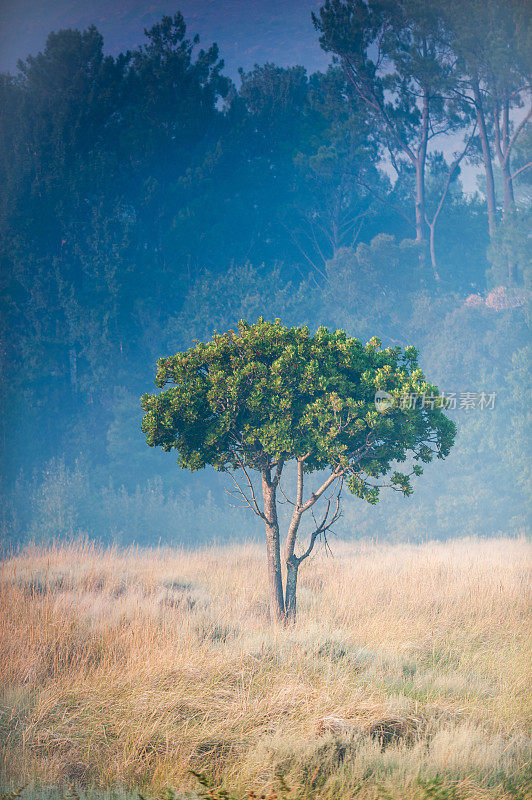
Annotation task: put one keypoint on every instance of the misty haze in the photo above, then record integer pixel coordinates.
(265, 430)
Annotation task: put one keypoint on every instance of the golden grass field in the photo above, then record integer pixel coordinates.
(405, 676)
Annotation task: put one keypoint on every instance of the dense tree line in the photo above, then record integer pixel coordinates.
(146, 200)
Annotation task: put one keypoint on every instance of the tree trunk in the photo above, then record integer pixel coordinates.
(292, 567)
(433, 250)
(509, 201)
(420, 165)
(420, 203)
(275, 581)
(421, 224)
(509, 208)
(487, 160)
(291, 560)
(502, 148)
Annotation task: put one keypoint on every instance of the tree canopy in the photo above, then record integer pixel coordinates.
(267, 392)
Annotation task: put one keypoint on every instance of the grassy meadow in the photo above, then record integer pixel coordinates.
(407, 674)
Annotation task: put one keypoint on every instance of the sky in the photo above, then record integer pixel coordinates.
(247, 31)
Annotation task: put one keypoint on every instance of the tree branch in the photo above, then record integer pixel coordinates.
(516, 134)
(450, 173)
(338, 472)
(372, 101)
(387, 203)
(521, 169)
(323, 526)
(253, 503)
(291, 536)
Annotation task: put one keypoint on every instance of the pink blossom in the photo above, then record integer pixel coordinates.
(503, 298)
(474, 301)
(499, 299)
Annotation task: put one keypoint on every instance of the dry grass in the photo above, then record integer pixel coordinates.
(405, 676)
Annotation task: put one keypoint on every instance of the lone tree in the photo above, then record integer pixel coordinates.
(252, 400)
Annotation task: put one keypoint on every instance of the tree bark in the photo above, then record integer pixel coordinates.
(502, 148)
(292, 567)
(509, 200)
(433, 261)
(420, 165)
(275, 581)
(420, 202)
(291, 560)
(487, 160)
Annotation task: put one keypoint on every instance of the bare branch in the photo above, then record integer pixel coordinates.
(291, 536)
(517, 92)
(303, 252)
(253, 503)
(372, 101)
(324, 526)
(452, 169)
(285, 497)
(516, 134)
(338, 472)
(245, 499)
(521, 169)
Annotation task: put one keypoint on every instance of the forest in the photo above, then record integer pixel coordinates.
(148, 200)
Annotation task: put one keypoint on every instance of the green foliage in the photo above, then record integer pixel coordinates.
(438, 788)
(282, 792)
(512, 245)
(13, 795)
(267, 393)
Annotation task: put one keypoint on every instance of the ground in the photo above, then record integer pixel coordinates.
(405, 676)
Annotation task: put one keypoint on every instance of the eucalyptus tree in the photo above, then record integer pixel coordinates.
(492, 43)
(251, 401)
(400, 66)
